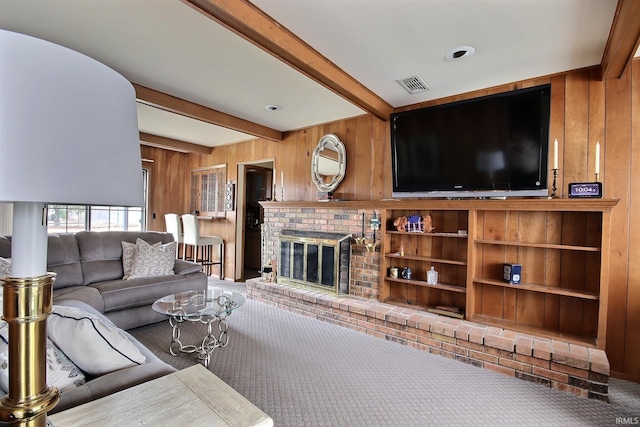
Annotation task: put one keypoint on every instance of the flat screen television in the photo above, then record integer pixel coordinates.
(492, 146)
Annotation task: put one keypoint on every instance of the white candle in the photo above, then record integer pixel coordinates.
(281, 179)
(597, 157)
(555, 153)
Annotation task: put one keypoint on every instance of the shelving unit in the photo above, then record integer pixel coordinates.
(444, 249)
(562, 244)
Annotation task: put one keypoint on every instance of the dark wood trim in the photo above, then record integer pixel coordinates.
(251, 23)
(623, 41)
(195, 111)
(172, 144)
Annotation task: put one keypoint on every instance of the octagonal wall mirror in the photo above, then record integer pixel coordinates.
(328, 163)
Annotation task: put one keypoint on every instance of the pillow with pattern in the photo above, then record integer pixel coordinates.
(128, 255)
(5, 267)
(152, 261)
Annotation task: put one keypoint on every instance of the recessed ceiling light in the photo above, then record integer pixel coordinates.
(273, 107)
(459, 53)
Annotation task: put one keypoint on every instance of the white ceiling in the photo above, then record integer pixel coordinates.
(167, 46)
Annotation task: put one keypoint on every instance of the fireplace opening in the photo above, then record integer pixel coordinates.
(315, 259)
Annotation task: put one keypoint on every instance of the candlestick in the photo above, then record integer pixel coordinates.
(282, 185)
(273, 182)
(554, 187)
(555, 154)
(362, 224)
(597, 160)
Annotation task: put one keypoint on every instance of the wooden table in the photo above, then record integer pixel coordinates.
(191, 397)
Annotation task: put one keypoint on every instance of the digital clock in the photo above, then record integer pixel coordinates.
(585, 189)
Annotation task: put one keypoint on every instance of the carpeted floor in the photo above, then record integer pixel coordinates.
(304, 372)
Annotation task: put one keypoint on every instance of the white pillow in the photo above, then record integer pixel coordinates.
(61, 372)
(96, 346)
(150, 261)
(128, 255)
(5, 267)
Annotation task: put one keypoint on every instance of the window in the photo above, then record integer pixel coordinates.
(67, 218)
(208, 191)
(74, 218)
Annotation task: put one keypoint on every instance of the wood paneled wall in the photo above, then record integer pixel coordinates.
(584, 111)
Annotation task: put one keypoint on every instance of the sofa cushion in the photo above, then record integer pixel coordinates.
(101, 253)
(63, 258)
(150, 261)
(93, 343)
(144, 291)
(5, 246)
(87, 294)
(186, 267)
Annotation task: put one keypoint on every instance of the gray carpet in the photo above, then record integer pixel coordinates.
(304, 372)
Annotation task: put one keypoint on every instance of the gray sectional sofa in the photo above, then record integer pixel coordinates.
(89, 268)
(90, 273)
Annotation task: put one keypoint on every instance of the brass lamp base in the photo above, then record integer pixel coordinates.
(27, 303)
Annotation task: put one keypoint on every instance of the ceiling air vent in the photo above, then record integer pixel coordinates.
(414, 84)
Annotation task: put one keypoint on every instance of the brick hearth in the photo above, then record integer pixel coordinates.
(553, 363)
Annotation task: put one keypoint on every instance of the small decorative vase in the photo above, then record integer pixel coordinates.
(432, 276)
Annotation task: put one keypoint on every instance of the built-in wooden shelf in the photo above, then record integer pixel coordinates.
(425, 258)
(441, 286)
(554, 290)
(417, 233)
(539, 245)
(566, 282)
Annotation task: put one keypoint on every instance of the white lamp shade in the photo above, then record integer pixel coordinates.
(68, 127)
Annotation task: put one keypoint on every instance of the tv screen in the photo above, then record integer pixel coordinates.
(494, 146)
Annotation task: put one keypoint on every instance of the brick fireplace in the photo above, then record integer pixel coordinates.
(315, 259)
(363, 267)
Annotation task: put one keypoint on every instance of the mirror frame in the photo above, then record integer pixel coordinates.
(329, 141)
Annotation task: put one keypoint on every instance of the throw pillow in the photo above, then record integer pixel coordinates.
(4, 356)
(128, 255)
(150, 261)
(61, 372)
(5, 271)
(96, 345)
(5, 267)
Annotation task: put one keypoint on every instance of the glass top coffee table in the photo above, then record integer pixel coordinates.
(208, 307)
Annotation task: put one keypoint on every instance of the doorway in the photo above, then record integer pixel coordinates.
(255, 184)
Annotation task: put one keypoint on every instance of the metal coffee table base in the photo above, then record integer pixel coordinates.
(209, 343)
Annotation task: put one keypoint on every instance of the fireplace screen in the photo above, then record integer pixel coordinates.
(315, 259)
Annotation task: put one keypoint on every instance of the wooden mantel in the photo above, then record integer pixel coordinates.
(531, 204)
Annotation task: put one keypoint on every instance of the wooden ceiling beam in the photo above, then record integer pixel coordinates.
(172, 144)
(195, 111)
(623, 41)
(251, 23)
